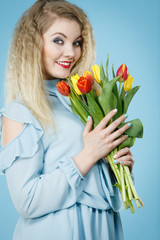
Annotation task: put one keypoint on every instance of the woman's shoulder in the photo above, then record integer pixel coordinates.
(18, 111)
(24, 144)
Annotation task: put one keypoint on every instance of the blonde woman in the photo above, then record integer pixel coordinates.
(57, 179)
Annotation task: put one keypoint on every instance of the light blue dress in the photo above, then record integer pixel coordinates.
(53, 199)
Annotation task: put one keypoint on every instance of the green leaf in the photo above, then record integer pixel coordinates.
(129, 142)
(94, 95)
(113, 72)
(80, 107)
(118, 185)
(119, 103)
(122, 93)
(94, 110)
(113, 101)
(107, 66)
(121, 100)
(103, 77)
(106, 95)
(115, 90)
(76, 112)
(136, 130)
(129, 97)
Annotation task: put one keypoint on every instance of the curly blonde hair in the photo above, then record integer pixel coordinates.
(25, 75)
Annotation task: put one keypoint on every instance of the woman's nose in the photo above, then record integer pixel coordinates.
(69, 51)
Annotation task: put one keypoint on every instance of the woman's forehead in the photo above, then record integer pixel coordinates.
(68, 27)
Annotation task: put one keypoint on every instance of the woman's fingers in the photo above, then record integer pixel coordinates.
(105, 120)
(88, 126)
(120, 131)
(123, 152)
(124, 157)
(118, 141)
(115, 124)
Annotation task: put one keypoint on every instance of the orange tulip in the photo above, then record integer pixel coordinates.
(85, 84)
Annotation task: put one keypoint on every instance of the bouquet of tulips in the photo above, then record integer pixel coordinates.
(93, 94)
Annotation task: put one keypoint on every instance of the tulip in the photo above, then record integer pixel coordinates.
(96, 73)
(128, 83)
(74, 80)
(97, 88)
(85, 84)
(88, 76)
(123, 72)
(63, 88)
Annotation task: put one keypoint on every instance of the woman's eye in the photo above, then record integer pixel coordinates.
(78, 43)
(58, 41)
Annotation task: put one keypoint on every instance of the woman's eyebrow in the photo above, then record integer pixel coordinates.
(59, 33)
(79, 37)
(64, 35)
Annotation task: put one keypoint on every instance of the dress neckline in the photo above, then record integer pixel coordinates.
(51, 85)
(52, 91)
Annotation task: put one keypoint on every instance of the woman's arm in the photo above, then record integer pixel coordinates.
(35, 194)
(10, 129)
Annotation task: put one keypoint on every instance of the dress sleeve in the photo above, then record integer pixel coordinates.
(35, 194)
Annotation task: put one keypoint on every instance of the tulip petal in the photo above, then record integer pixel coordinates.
(74, 80)
(123, 72)
(63, 88)
(96, 73)
(128, 83)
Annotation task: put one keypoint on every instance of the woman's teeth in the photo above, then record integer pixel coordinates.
(64, 64)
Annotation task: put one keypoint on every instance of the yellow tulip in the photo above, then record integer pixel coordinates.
(128, 83)
(96, 73)
(74, 80)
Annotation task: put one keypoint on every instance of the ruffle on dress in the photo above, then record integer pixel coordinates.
(23, 145)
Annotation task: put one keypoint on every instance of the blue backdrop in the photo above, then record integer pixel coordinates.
(129, 31)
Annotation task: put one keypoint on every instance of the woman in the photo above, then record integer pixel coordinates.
(54, 166)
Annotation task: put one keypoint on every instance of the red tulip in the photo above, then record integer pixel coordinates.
(63, 88)
(85, 84)
(123, 72)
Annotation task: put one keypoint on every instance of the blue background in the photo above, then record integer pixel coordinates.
(129, 31)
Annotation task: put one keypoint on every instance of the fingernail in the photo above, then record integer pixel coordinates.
(88, 118)
(121, 162)
(115, 156)
(115, 110)
(126, 115)
(129, 124)
(127, 135)
(115, 161)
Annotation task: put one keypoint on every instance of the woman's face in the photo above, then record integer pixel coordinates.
(61, 47)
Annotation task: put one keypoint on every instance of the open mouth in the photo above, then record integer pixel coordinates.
(64, 64)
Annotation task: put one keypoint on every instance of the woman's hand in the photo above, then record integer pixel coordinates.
(124, 157)
(99, 142)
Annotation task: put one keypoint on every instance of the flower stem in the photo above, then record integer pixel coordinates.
(122, 181)
(135, 195)
(130, 195)
(110, 159)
